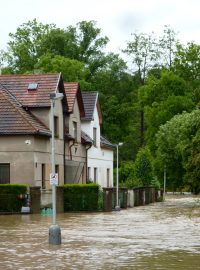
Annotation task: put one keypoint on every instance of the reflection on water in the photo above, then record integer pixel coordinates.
(158, 236)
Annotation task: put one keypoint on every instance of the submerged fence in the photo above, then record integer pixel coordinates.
(130, 197)
(100, 200)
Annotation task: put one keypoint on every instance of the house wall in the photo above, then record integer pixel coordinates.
(98, 157)
(26, 154)
(75, 151)
(42, 114)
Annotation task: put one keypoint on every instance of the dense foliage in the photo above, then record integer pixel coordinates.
(9, 197)
(145, 104)
(81, 197)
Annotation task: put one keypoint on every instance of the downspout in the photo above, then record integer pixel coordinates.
(70, 149)
(64, 150)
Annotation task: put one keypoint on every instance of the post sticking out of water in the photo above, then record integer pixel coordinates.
(54, 230)
(117, 207)
(164, 190)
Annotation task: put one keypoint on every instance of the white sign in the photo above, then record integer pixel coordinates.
(54, 179)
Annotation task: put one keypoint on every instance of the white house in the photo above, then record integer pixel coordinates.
(100, 154)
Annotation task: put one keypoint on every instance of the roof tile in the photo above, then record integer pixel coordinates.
(18, 86)
(15, 120)
(89, 101)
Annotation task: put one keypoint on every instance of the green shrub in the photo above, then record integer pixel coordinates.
(143, 166)
(81, 197)
(9, 197)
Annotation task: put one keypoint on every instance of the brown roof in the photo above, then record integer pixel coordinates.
(105, 143)
(85, 138)
(90, 100)
(15, 120)
(18, 86)
(72, 90)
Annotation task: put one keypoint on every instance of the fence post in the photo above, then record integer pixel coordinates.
(107, 199)
(35, 197)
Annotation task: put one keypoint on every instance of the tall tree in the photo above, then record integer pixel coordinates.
(162, 99)
(33, 40)
(24, 48)
(168, 43)
(143, 53)
(174, 141)
(187, 62)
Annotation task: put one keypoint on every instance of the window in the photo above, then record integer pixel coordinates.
(32, 86)
(95, 175)
(56, 130)
(95, 136)
(4, 173)
(43, 177)
(108, 177)
(75, 130)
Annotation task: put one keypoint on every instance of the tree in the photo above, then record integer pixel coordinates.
(143, 166)
(174, 141)
(72, 70)
(32, 40)
(24, 48)
(143, 53)
(162, 99)
(168, 46)
(187, 62)
(192, 176)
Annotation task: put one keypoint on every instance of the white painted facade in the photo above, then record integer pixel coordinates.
(100, 160)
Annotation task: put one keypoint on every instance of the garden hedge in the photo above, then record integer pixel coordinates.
(10, 200)
(81, 197)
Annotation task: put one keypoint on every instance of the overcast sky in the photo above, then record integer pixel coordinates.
(117, 18)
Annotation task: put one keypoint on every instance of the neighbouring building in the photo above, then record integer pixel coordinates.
(78, 142)
(100, 154)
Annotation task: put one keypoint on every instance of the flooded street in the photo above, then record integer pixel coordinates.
(157, 236)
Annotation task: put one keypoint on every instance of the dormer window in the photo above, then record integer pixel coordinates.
(32, 86)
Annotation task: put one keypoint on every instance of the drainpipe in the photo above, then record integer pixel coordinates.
(70, 149)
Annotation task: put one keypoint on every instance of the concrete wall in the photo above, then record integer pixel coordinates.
(100, 158)
(26, 154)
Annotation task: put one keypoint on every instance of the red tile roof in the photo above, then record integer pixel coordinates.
(72, 90)
(18, 86)
(15, 120)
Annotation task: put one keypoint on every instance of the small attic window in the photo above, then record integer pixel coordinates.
(32, 86)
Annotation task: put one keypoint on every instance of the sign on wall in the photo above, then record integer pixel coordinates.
(54, 179)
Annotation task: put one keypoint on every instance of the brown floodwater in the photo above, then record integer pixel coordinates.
(157, 236)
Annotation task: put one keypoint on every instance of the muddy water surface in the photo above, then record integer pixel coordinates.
(158, 236)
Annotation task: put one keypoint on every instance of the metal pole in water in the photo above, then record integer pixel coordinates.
(117, 207)
(54, 230)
